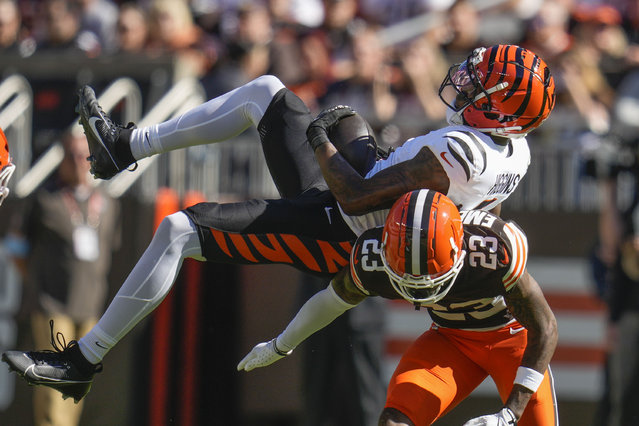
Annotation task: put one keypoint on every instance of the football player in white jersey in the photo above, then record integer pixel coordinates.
(489, 315)
(496, 97)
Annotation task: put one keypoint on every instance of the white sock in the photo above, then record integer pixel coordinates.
(217, 120)
(146, 286)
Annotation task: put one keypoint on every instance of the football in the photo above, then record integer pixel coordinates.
(354, 139)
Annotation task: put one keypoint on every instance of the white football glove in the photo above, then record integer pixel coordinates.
(504, 418)
(261, 355)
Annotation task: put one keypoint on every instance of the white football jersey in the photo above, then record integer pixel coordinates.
(482, 173)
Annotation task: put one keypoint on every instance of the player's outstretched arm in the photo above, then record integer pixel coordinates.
(319, 311)
(357, 195)
(527, 303)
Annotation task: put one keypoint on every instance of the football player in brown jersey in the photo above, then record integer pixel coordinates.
(489, 315)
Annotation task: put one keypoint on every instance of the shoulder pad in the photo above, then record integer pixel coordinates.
(519, 254)
(467, 149)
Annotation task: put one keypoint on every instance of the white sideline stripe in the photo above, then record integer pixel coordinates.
(581, 329)
(565, 274)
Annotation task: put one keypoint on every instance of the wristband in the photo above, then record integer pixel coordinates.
(317, 130)
(528, 378)
(278, 350)
(316, 137)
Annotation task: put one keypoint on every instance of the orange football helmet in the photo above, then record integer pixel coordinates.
(422, 246)
(504, 90)
(6, 167)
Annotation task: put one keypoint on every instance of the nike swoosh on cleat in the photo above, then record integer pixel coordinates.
(516, 330)
(99, 345)
(31, 369)
(92, 121)
(43, 380)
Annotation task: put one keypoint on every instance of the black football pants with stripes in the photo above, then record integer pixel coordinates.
(304, 228)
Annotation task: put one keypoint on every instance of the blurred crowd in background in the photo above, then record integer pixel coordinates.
(385, 58)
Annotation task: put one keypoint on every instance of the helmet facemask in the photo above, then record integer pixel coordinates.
(468, 91)
(422, 248)
(462, 86)
(425, 289)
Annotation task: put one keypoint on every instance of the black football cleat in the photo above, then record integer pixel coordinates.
(102, 135)
(65, 370)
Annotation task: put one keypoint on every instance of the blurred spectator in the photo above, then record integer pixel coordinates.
(307, 13)
(59, 43)
(61, 30)
(619, 254)
(369, 89)
(98, 17)
(173, 31)
(601, 24)
(626, 109)
(286, 54)
(630, 23)
(248, 43)
(339, 24)
(63, 249)
(548, 32)
(425, 67)
(594, 36)
(390, 12)
(507, 20)
(10, 23)
(132, 29)
(325, 53)
(252, 40)
(548, 35)
(315, 65)
(12, 39)
(615, 162)
(463, 24)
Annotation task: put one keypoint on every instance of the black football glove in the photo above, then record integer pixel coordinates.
(317, 131)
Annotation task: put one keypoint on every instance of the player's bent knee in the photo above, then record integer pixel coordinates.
(394, 417)
(174, 225)
(270, 83)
